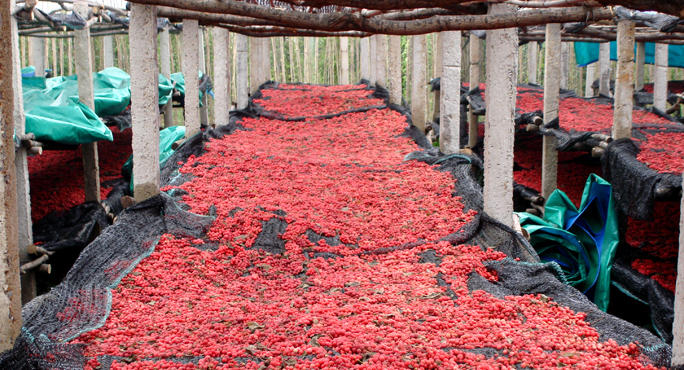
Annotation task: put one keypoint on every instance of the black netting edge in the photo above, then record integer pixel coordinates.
(635, 185)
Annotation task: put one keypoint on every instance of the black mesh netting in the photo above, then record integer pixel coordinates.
(82, 301)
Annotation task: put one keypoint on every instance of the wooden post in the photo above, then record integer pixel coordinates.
(344, 60)
(474, 81)
(381, 60)
(37, 54)
(145, 98)
(364, 61)
(108, 48)
(221, 76)
(10, 288)
(532, 59)
(394, 63)
(551, 97)
(242, 56)
(165, 56)
(418, 82)
(373, 73)
(450, 93)
(640, 61)
(678, 324)
(660, 77)
(202, 63)
(84, 72)
(624, 81)
(565, 70)
(502, 58)
(590, 77)
(190, 67)
(604, 68)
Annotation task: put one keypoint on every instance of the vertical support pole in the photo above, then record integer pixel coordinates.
(61, 57)
(532, 61)
(53, 46)
(242, 56)
(10, 290)
(84, 72)
(502, 72)
(624, 81)
(37, 54)
(144, 100)
(604, 68)
(590, 78)
(165, 56)
(549, 180)
(202, 62)
(221, 76)
(190, 67)
(678, 324)
(266, 59)
(344, 60)
(418, 82)
(108, 47)
(380, 61)
(640, 61)
(373, 59)
(364, 61)
(254, 64)
(70, 53)
(474, 81)
(565, 70)
(394, 62)
(308, 62)
(450, 93)
(660, 77)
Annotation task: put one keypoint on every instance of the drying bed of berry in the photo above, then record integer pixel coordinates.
(658, 239)
(358, 275)
(673, 87)
(314, 100)
(56, 176)
(663, 152)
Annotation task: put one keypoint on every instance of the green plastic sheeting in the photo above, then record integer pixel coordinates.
(588, 52)
(582, 241)
(167, 137)
(179, 84)
(166, 87)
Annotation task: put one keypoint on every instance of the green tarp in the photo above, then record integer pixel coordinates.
(167, 137)
(582, 241)
(588, 52)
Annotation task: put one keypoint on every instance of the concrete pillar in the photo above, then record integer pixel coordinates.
(221, 76)
(624, 82)
(165, 56)
(37, 54)
(255, 50)
(474, 81)
(381, 60)
(190, 67)
(373, 59)
(640, 61)
(364, 61)
(678, 324)
(502, 72)
(242, 56)
(265, 72)
(308, 59)
(450, 93)
(565, 70)
(108, 48)
(344, 60)
(418, 82)
(84, 71)
(660, 77)
(202, 62)
(551, 98)
(604, 68)
(590, 78)
(10, 286)
(145, 98)
(394, 63)
(70, 59)
(437, 56)
(532, 61)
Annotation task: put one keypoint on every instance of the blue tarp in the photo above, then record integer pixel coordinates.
(588, 52)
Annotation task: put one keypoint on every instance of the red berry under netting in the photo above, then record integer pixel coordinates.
(56, 176)
(327, 249)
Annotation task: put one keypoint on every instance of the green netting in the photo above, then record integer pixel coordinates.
(583, 242)
(167, 137)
